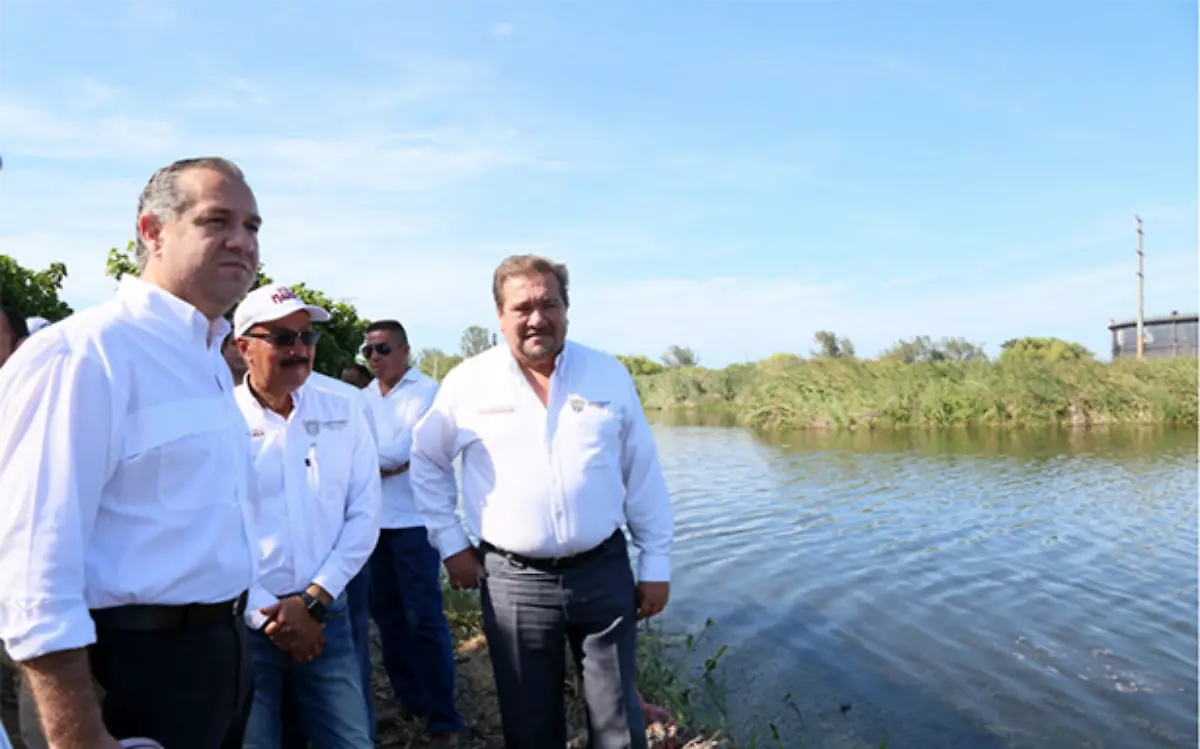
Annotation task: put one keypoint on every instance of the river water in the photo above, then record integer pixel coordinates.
(942, 589)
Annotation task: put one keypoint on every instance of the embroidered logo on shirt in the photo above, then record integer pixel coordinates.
(334, 425)
(578, 403)
(313, 427)
(256, 433)
(497, 410)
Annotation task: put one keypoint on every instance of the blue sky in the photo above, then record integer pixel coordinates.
(729, 176)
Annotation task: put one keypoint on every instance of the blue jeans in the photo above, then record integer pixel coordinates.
(357, 595)
(330, 706)
(406, 603)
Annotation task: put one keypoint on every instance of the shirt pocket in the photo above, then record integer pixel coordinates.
(597, 432)
(182, 453)
(327, 468)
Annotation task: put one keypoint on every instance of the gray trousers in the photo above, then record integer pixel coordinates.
(530, 615)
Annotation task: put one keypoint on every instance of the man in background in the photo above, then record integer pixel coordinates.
(357, 375)
(13, 331)
(406, 591)
(233, 357)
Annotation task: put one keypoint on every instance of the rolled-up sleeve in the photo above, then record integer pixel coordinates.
(435, 492)
(648, 511)
(56, 415)
(360, 531)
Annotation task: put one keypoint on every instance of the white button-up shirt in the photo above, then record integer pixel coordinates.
(317, 504)
(395, 416)
(325, 382)
(124, 470)
(543, 481)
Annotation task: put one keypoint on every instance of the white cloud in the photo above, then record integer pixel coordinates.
(502, 29)
(374, 204)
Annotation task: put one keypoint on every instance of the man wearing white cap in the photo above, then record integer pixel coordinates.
(317, 515)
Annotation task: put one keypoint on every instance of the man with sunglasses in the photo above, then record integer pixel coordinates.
(406, 592)
(317, 517)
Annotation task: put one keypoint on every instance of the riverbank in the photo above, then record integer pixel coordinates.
(787, 393)
(661, 682)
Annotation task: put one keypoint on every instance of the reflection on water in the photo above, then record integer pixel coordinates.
(953, 588)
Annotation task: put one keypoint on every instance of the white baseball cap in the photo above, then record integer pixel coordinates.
(269, 303)
(36, 323)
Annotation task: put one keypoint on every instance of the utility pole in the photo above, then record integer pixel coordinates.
(1141, 327)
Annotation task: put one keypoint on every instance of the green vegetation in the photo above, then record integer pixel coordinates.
(33, 292)
(1035, 382)
(915, 383)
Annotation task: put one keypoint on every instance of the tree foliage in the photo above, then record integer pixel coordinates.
(33, 292)
(925, 349)
(680, 356)
(475, 340)
(1043, 349)
(641, 365)
(340, 337)
(830, 346)
(436, 363)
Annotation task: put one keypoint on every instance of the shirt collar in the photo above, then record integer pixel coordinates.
(244, 396)
(172, 312)
(562, 362)
(410, 375)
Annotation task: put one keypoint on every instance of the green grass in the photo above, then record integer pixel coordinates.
(785, 393)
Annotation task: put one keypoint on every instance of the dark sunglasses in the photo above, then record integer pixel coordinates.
(383, 349)
(287, 338)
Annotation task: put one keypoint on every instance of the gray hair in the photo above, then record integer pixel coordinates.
(162, 197)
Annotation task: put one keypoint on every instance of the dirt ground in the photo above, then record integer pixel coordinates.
(476, 701)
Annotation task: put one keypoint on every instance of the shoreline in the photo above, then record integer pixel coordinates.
(660, 681)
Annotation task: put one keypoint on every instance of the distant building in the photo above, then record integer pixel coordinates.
(1166, 336)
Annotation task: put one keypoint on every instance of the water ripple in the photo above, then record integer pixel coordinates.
(1036, 598)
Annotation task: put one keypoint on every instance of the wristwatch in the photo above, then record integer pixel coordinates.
(315, 608)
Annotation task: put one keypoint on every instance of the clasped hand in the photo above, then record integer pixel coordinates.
(294, 630)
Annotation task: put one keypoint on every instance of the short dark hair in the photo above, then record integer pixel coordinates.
(393, 327)
(16, 323)
(360, 369)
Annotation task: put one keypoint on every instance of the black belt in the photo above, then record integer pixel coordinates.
(160, 617)
(554, 563)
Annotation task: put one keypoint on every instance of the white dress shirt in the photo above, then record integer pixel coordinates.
(543, 481)
(358, 397)
(124, 470)
(317, 505)
(395, 416)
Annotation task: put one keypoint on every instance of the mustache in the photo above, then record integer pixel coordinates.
(293, 361)
(544, 330)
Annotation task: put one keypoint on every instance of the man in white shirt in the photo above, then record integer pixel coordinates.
(317, 516)
(125, 538)
(358, 590)
(557, 456)
(406, 591)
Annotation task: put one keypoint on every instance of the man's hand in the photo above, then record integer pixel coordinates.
(402, 468)
(294, 630)
(652, 599)
(65, 696)
(464, 569)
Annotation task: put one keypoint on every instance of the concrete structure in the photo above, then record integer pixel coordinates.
(1169, 335)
